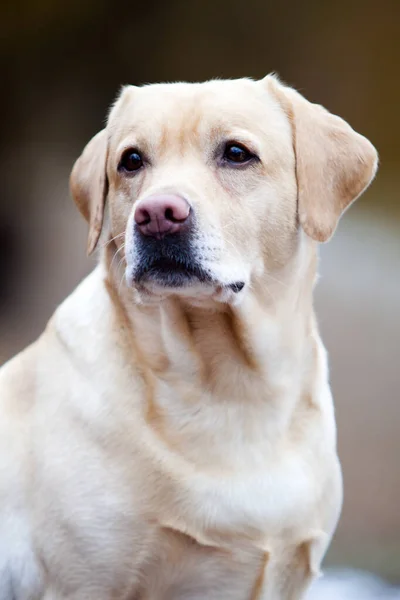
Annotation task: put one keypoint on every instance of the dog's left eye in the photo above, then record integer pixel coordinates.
(237, 153)
(131, 161)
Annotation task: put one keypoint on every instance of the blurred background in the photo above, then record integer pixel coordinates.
(61, 66)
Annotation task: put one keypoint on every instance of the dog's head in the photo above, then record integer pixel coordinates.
(210, 185)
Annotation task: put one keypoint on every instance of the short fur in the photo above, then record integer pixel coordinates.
(161, 443)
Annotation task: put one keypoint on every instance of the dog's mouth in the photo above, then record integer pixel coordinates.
(169, 262)
(172, 263)
(170, 272)
(174, 275)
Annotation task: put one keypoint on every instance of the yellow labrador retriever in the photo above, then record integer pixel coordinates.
(171, 434)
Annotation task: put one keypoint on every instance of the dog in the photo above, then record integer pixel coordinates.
(171, 434)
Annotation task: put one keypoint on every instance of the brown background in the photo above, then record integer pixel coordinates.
(62, 64)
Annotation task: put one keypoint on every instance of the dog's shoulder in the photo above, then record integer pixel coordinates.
(77, 317)
(85, 309)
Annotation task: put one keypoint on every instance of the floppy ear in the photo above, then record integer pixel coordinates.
(334, 164)
(89, 185)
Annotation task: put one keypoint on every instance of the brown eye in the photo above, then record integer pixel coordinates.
(236, 153)
(131, 161)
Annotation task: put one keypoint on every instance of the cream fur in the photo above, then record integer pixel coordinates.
(160, 445)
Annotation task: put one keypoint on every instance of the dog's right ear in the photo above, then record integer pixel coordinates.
(89, 185)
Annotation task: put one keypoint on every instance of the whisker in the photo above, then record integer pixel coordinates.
(120, 262)
(112, 239)
(120, 283)
(271, 295)
(277, 280)
(116, 254)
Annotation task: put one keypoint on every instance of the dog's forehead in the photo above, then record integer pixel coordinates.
(169, 97)
(222, 104)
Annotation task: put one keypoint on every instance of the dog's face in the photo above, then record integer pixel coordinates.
(202, 179)
(210, 183)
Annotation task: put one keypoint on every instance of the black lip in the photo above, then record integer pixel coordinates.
(237, 286)
(171, 273)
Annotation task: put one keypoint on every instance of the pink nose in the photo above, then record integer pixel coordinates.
(161, 215)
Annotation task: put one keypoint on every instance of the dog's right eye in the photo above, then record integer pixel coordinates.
(131, 161)
(237, 154)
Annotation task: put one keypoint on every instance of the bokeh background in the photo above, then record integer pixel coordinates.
(61, 66)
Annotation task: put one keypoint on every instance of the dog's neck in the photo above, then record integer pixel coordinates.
(254, 358)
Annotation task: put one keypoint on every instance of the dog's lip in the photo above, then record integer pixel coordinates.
(163, 267)
(181, 272)
(160, 269)
(236, 287)
(167, 264)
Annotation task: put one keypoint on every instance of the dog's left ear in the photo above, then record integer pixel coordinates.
(89, 185)
(334, 164)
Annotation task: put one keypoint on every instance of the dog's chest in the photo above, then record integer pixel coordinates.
(229, 472)
(251, 506)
